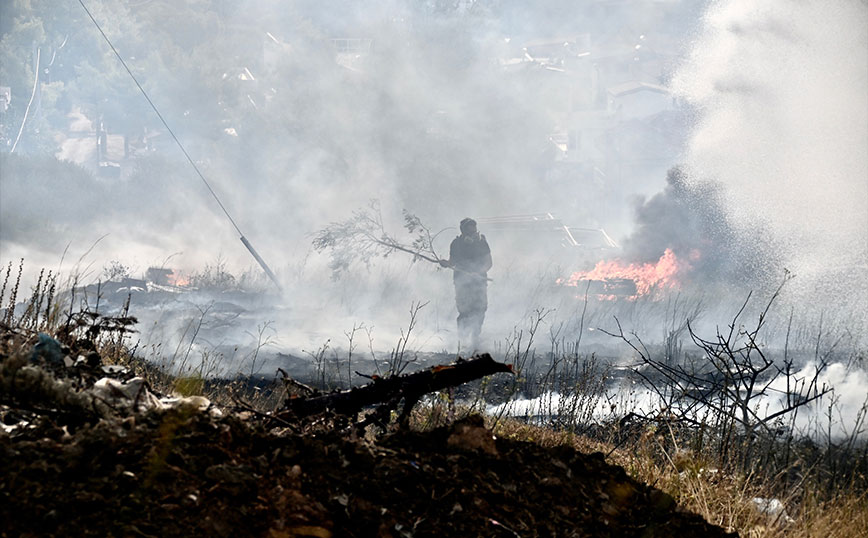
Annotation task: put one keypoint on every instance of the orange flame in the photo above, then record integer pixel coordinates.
(178, 279)
(648, 277)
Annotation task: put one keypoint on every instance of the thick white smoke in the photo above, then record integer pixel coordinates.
(840, 414)
(779, 90)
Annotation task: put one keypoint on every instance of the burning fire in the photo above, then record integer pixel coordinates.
(178, 279)
(647, 277)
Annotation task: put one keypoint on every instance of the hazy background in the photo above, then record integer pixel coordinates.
(298, 113)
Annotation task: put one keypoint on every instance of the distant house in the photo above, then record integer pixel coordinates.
(557, 52)
(625, 56)
(349, 52)
(600, 82)
(638, 100)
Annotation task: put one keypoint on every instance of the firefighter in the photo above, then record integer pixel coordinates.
(470, 260)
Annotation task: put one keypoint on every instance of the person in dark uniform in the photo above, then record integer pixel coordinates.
(470, 260)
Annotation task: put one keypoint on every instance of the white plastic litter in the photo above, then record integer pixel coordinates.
(134, 394)
(773, 509)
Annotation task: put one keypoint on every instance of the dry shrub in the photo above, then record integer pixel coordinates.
(721, 498)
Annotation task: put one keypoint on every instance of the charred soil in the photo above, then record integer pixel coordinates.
(185, 471)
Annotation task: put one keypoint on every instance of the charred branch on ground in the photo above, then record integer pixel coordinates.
(389, 393)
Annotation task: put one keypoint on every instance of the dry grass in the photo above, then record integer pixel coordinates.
(721, 498)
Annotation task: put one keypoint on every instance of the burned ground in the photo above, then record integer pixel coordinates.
(193, 472)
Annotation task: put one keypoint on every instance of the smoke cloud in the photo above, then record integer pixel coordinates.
(782, 129)
(297, 115)
(692, 221)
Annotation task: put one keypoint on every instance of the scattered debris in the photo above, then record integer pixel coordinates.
(773, 509)
(83, 454)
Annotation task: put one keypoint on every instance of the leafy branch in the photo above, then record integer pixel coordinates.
(363, 237)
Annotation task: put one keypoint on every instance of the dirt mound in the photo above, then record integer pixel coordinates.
(184, 470)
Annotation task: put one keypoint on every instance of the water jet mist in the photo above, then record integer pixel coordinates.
(782, 125)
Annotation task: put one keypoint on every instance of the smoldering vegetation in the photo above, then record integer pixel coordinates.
(690, 218)
(298, 117)
(416, 112)
(420, 110)
(791, 418)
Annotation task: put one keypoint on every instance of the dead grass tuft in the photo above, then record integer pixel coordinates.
(721, 498)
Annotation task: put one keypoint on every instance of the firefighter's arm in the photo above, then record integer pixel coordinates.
(449, 263)
(487, 261)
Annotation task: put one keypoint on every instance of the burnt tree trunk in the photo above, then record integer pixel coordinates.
(391, 390)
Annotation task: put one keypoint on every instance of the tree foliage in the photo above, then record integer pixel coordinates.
(363, 237)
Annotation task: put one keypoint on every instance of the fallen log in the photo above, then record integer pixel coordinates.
(390, 391)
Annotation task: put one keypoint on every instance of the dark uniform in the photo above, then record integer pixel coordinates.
(470, 259)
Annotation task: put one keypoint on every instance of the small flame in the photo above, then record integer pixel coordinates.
(648, 277)
(178, 279)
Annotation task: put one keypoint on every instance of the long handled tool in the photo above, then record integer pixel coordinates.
(244, 240)
(430, 259)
